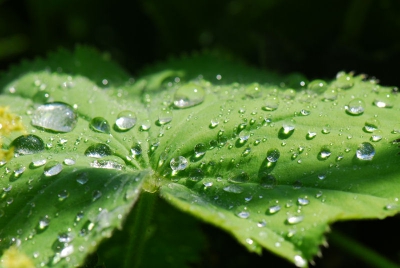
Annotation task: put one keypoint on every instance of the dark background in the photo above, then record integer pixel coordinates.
(314, 37)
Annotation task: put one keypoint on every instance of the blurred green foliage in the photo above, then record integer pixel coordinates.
(316, 38)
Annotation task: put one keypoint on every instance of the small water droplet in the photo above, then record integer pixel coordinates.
(271, 103)
(63, 195)
(273, 155)
(96, 195)
(188, 95)
(376, 138)
(330, 94)
(268, 181)
(297, 185)
(19, 171)
(98, 150)
(106, 164)
(236, 189)
(326, 129)
(240, 178)
(317, 85)
(246, 151)
(261, 223)
(82, 178)
(29, 144)
(56, 116)
(164, 117)
(52, 168)
(136, 150)
(344, 81)
(244, 135)
(214, 123)
(44, 222)
(273, 209)
(69, 162)
(324, 154)
(199, 150)
(243, 214)
(207, 184)
(305, 112)
(125, 120)
(178, 163)
(303, 201)
(100, 124)
(294, 219)
(365, 151)
(371, 125)
(382, 103)
(253, 91)
(355, 107)
(196, 175)
(287, 129)
(299, 261)
(311, 135)
(38, 163)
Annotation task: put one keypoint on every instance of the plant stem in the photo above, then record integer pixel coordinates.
(354, 248)
(138, 222)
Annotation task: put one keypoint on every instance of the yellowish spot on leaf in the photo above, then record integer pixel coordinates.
(9, 122)
(13, 258)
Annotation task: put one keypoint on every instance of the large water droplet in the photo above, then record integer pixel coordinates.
(240, 178)
(125, 120)
(365, 151)
(99, 124)
(371, 125)
(355, 107)
(57, 116)
(199, 150)
(98, 150)
(29, 144)
(271, 103)
(37, 163)
(344, 81)
(52, 168)
(273, 155)
(188, 95)
(178, 163)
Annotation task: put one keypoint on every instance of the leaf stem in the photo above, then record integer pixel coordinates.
(138, 222)
(354, 248)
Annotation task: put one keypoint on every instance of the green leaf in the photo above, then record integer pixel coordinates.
(272, 160)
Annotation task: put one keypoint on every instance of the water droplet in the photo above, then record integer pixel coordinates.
(96, 195)
(297, 185)
(68, 250)
(19, 171)
(294, 219)
(57, 116)
(382, 103)
(322, 176)
(344, 81)
(243, 214)
(261, 223)
(98, 150)
(303, 201)
(299, 261)
(271, 103)
(240, 178)
(136, 150)
(305, 112)
(196, 175)
(69, 161)
(244, 135)
(324, 154)
(376, 138)
(246, 151)
(326, 129)
(199, 150)
(178, 163)
(311, 135)
(330, 94)
(125, 120)
(38, 163)
(236, 189)
(317, 85)
(82, 178)
(287, 129)
(273, 155)
(29, 144)
(106, 164)
(365, 151)
(188, 95)
(44, 223)
(253, 91)
(268, 181)
(274, 209)
(207, 184)
(164, 117)
(63, 195)
(100, 124)
(371, 125)
(52, 168)
(392, 207)
(145, 126)
(355, 107)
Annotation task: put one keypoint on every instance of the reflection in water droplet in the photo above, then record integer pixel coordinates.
(311, 135)
(178, 163)
(57, 116)
(376, 138)
(365, 151)
(299, 261)
(355, 107)
(240, 178)
(324, 154)
(52, 168)
(382, 103)
(29, 144)
(188, 95)
(199, 150)
(271, 103)
(317, 85)
(303, 201)
(100, 124)
(125, 120)
(236, 189)
(274, 209)
(98, 150)
(273, 155)
(69, 162)
(294, 219)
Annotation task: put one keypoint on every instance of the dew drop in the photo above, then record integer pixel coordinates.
(236, 189)
(382, 103)
(324, 154)
(253, 91)
(244, 135)
(261, 223)
(376, 138)
(164, 117)
(317, 85)
(268, 181)
(63, 195)
(98, 150)
(196, 175)
(106, 164)
(271, 103)
(240, 178)
(371, 125)
(243, 214)
(287, 129)
(273, 155)
(44, 223)
(82, 178)
(303, 201)
(294, 219)
(125, 120)
(38, 163)
(299, 261)
(52, 168)
(96, 195)
(57, 117)
(246, 151)
(355, 107)
(178, 163)
(136, 150)
(199, 150)
(273, 209)
(19, 171)
(29, 144)
(214, 123)
(311, 135)
(344, 81)
(326, 129)
(365, 151)
(330, 94)
(188, 95)
(100, 124)
(69, 162)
